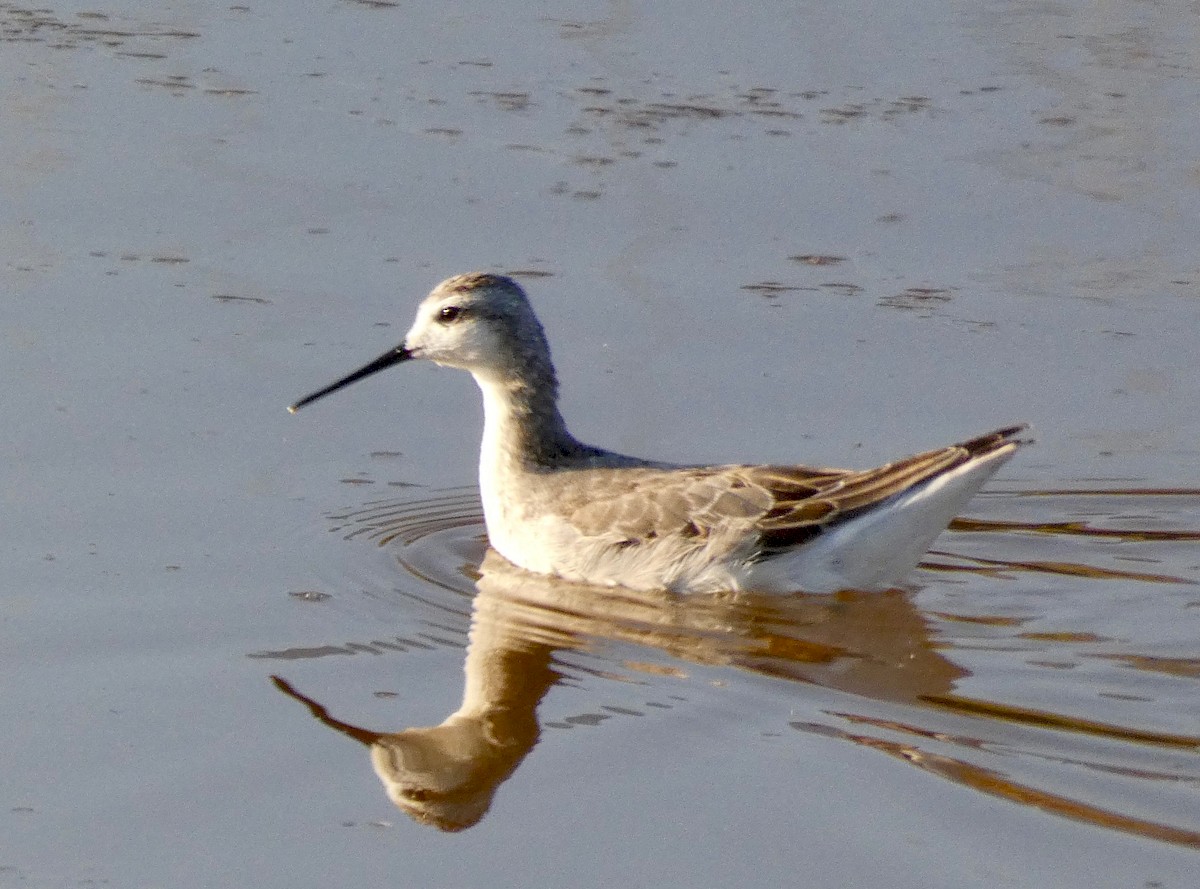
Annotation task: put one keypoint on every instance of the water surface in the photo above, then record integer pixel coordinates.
(771, 233)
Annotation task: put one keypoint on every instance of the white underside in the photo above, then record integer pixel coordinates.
(873, 551)
(880, 549)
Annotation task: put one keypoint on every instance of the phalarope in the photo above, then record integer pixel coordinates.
(555, 506)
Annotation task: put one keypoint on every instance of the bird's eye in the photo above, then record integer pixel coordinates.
(449, 314)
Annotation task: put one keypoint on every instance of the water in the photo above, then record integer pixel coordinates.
(768, 234)
(1001, 673)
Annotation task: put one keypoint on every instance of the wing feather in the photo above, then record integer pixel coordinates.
(780, 506)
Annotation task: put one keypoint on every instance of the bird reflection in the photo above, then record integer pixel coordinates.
(527, 632)
(447, 775)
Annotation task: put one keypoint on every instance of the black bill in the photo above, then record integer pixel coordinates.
(387, 359)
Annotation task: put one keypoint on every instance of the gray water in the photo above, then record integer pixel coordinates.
(783, 233)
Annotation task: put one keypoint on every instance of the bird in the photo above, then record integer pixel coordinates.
(556, 506)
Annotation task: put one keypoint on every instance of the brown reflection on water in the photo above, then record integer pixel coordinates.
(878, 647)
(995, 783)
(1075, 529)
(446, 775)
(1081, 529)
(1075, 724)
(1171, 666)
(1071, 569)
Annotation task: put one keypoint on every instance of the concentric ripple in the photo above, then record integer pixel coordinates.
(438, 539)
(433, 534)
(1046, 654)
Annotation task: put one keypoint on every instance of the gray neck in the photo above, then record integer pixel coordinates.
(522, 426)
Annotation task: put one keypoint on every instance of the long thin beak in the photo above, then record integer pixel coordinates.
(387, 359)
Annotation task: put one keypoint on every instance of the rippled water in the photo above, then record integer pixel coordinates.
(1045, 655)
(764, 232)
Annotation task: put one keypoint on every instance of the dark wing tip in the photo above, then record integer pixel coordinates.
(984, 444)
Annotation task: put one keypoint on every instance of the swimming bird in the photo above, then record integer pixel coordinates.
(556, 506)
